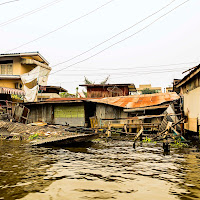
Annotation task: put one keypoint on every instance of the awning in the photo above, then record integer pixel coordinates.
(4, 90)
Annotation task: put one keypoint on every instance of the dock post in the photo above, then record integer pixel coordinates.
(166, 147)
(141, 137)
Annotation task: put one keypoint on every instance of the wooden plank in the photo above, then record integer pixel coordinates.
(139, 133)
(64, 140)
(159, 134)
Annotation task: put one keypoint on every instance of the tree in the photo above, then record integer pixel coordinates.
(148, 91)
(105, 81)
(90, 82)
(76, 92)
(66, 95)
(87, 81)
(85, 93)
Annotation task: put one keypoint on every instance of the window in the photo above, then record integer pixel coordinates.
(6, 69)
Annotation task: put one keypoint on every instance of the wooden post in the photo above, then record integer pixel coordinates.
(166, 146)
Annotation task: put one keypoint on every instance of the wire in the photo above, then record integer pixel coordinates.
(142, 73)
(123, 73)
(121, 40)
(132, 75)
(110, 37)
(61, 26)
(8, 2)
(133, 68)
(115, 35)
(29, 13)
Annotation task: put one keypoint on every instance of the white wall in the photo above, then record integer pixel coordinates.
(192, 108)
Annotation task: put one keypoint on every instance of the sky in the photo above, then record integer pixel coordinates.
(155, 51)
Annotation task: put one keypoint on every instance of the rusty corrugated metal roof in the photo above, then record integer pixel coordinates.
(136, 101)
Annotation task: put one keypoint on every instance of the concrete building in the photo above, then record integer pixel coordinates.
(148, 86)
(13, 65)
(189, 88)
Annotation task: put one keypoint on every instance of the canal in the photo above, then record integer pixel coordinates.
(98, 170)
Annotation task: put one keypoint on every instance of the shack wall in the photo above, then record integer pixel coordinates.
(192, 109)
(109, 112)
(95, 92)
(40, 112)
(70, 113)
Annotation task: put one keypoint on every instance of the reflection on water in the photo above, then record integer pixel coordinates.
(101, 170)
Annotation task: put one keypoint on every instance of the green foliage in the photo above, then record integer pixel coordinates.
(105, 81)
(148, 140)
(148, 91)
(85, 93)
(90, 82)
(179, 144)
(87, 81)
(33, 137)
(76, 92)
(66, 95)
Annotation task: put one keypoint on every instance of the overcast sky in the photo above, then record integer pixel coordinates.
(148, 57)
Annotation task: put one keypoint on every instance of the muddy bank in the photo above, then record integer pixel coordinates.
(42, 134)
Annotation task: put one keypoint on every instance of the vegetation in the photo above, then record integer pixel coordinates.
(85, 93)
(33, 137)
(76, 92)
(105, 81)
(148, 140)
(66, 95)
(87, 81)
(179, 144)
(148, 91)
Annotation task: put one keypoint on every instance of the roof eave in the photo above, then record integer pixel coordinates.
(188, 77)
(25, 54)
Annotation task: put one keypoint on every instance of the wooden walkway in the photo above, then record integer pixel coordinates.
(64, 140)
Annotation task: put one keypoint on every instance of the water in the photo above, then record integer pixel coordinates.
(99, 170)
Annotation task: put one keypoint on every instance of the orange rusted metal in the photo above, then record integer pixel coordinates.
(136, 101)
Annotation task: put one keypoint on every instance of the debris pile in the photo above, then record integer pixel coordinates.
(38, 130)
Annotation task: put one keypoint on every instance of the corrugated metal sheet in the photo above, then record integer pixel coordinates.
(137, 101)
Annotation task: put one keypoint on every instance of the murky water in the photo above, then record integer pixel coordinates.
(101, 170)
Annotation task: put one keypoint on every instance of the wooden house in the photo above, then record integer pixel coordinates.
(108, 90)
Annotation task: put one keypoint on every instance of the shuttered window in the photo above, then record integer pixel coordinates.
(6, 69)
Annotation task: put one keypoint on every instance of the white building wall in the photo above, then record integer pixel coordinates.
(192, 109)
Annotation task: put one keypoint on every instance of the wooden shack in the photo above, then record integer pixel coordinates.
(109, 90)
(65, 111)
(123, 108)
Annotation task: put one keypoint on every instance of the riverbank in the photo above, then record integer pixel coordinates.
(40, 133)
